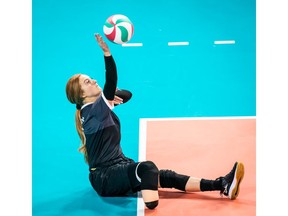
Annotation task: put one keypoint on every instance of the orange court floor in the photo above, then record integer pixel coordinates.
(205, 148)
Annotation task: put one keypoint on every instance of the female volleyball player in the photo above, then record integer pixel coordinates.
(111, 172)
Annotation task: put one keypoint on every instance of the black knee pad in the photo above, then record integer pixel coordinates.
(171, 179)
(152, 205)
(148, 173)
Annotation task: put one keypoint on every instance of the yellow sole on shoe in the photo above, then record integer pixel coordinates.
(238, 177)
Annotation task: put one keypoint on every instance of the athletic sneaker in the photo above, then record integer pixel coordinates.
(231, 182)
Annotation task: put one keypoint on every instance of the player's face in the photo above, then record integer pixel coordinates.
(89, 86)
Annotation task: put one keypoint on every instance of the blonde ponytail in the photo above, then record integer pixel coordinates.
(73, 93)
(81, 134)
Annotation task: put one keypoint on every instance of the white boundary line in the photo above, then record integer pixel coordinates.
(180, 43)
(141, 157)
(132, 45)
(225, 42)
(184, 43)
(190, 118)
(140, 205)
(143, 141)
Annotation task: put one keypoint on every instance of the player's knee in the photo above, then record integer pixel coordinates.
(152, 205)
(148, 173)
(147, 166)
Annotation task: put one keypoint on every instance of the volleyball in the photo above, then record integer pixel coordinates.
(118, 29)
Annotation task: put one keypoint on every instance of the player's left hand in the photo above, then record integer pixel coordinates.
(117, 100)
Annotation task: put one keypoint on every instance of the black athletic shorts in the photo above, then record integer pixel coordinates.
(118, 179)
